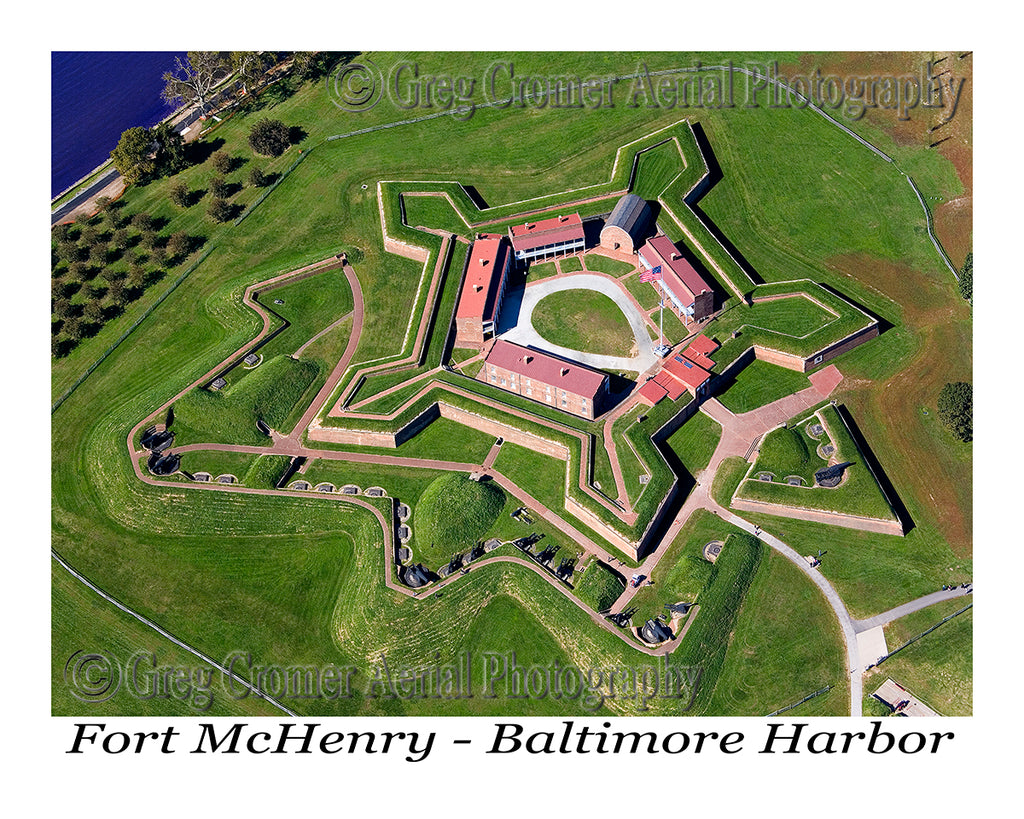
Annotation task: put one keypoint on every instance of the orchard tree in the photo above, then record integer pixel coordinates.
(218, 187)
(257, 178)
(193, 79)
(269, 137)
(956, 409)
(171, 155)
(179, 194)
(219, 210)
(221, 162)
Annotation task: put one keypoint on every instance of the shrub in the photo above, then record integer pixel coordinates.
(219, 210)
(179, 194)
(178, 244)
(967, 277)
(956, 409)
(218, 187)
(257, 178)
(221, 162)
(269, 137)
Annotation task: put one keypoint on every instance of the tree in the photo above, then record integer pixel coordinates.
(219, 210)
(249, 66)
(171, 155)
(956, 409)
(269, 137)
(142, 222)
(179, 194)
(221, 162)
(179, 244)
(257, 178)
(967, 277)
(193, 79)
(218, 187)
(132, 156)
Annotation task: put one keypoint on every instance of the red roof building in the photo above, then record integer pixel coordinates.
(483, 289)
(680, 283)
(685, 371)
(557, 236)
(702, 344)
(651, 392)
(545, 378)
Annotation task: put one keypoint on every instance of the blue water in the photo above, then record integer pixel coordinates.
(95, 96)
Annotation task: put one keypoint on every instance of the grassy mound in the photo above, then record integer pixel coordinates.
(600, 586)
(454, 512)
(784, 452)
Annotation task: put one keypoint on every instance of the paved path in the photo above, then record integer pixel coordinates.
(326, 330)
(525, 334)
(887, 617)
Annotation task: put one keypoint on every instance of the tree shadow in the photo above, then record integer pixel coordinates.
(199, 151)
(296, 134)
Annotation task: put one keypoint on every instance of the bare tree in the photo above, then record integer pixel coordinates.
(193, 78)
(249, 67)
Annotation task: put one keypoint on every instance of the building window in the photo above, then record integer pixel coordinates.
(817, 359)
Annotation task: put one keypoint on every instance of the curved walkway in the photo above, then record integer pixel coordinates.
(525, 334)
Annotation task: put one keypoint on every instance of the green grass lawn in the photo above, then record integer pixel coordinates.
(785, 451)
(656, 168)
(541, 270)
(433, 212)
(218, 463)
(786, 645)
(602, 264)
(646, 296)
(273, 392)
(583, 320)
(571, 264)
(760, 383)
(695, 441)
(599, 586)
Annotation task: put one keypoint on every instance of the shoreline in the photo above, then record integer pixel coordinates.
(108, 161)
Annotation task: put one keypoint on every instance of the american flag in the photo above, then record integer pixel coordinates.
(652, 275)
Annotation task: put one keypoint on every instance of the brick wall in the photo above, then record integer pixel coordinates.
(502, 430)
(618, 541)
(887, 527)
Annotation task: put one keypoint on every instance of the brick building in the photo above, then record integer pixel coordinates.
(483, 288)
(548, 238)
(683, 288)
(542, 377)
(628, 225)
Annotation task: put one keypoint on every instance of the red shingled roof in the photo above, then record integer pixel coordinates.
(690, 374)
(677, 273)
(703, 345)
(698, 358)
(672, 386)
(652, 392)
(551, 231)
(546, 369)
(483, 278)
